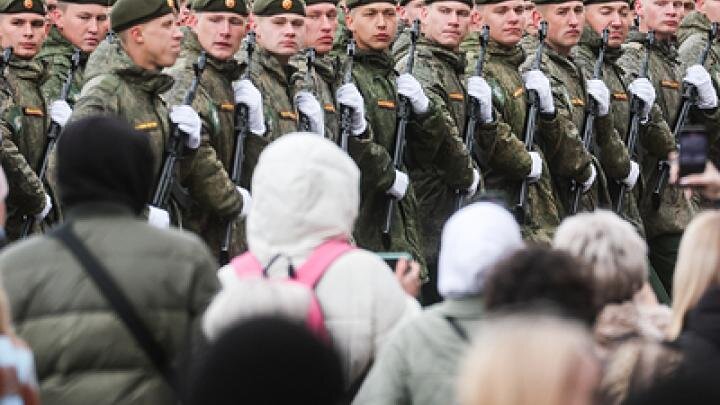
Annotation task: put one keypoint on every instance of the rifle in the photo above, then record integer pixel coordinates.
(53, 132)
(474, 115)
(175, 146)
(309, 78)
(242, 128)
(404, 111)
(689, 96)
(533, 109)
(636, 108)
(588, 125)
(345, 113)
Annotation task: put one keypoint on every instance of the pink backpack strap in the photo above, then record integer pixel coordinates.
(247, 265)
(321, 258)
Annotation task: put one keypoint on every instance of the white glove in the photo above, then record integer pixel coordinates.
(645, 91)
(409, 87)
(600, 93)
(591, 180)
(475, 184)
(60, 112)
(348, 95)
(536, 80)
(188, 121)
(537, 167)
(700, 78)
(400, 185)
(46, 209)
(158, 217)
(247, 201)
(246, 93)
(478, 89)
(309, 106)
(632, 177)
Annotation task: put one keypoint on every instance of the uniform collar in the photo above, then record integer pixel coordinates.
(512, 55)
(151, 81)
(592, 40)
(29, 69)
(667, 47)
(267, 61)
(191, 52)
(452, 58)
(380, 60)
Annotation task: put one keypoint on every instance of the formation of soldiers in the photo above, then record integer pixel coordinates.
(556, 106)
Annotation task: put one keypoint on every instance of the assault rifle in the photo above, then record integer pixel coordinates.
(345, 113)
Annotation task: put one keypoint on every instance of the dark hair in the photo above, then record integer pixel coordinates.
(539, 278)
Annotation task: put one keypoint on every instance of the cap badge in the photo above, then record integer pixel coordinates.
(287, 4)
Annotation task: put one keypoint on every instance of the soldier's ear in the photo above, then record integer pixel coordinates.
(536, 17)
(638, 8)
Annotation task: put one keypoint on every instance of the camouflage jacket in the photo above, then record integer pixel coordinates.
(56, 55)
(675, 211)
(504, 160)
(323, 86)
(215, 103)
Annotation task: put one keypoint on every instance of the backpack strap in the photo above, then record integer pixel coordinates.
(321, 258)
(247, 265)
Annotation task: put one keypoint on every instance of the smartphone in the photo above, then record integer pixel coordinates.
(693, 150)
(391, 258)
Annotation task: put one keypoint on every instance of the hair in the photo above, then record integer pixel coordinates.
(697, 267)
(542, 278)
(615, 253)
(524, 360)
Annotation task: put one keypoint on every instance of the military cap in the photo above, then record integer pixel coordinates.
(127, 13)
(275, 7)
(98, 2)
(22, 6)
(586, 2)
(311, 2)
(468, 2)
(357, 3)
(229, 6)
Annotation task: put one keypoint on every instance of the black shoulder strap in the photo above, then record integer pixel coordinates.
(455, 325)
(123, 308)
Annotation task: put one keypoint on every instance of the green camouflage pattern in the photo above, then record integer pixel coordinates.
(529, 43)
(56, 56)
(324, 84)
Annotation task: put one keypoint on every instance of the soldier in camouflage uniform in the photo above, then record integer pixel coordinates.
(24, 113)
(219, 27)
(79, 24)
(664, 226)
(131, 88)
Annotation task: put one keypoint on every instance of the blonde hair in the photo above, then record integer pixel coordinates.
(524, 360)
(697, 267)
(613, 250)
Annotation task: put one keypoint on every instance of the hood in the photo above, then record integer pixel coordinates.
(473, 240)
(693, 23)
(305, 191)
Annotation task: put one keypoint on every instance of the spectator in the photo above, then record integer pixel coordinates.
(697, 269)
(541, 279)
(418, 365)
(267, 361)
(305, 195)
(617, 259)
(700, 338)
(85, 354)
(530, 360)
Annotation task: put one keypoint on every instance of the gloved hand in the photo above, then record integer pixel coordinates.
(246, 93)
(309, 106)
(247, 201)
(537, 167)
(591, 180)
(475, 184)
(46, 209)
(632, 177)
(700, 78)
(408, 86)
(600, 93)
(478, 89)
(536, 80)
(400, 185)
(188, 121)
(348, 95)
(60, 112)
(645, 91)
(158, 217)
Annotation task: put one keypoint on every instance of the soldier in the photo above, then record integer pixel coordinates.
(149, 40)
(218, 29)
(664, 226)
(79, 24)
(439, 164)
(529, 42)
(24, 114)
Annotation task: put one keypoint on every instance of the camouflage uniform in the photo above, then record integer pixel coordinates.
(126, 90)
(215, 103)
(529, 43)
(56, 55)
(327, 75)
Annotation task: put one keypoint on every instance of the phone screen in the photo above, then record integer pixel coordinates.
(693, 150)
(391, 258)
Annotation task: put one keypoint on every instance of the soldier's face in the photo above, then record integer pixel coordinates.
(220, 34)
(615, 16)
(161, 39)
(373, 25)
(446, 22)
(530, 27)
(411, 11)
(565, 24)
(663, 16)
(320, 25)
(84, 25)
(24, 32)
(506, 21)
(282, 34)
